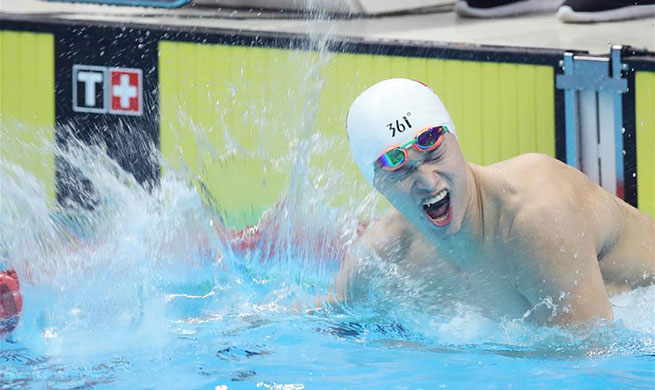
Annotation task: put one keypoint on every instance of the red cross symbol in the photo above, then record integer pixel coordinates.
(125, 91)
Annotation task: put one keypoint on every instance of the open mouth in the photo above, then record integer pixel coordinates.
(437, 207)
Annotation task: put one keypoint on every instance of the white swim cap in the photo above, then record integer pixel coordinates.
(390, 113)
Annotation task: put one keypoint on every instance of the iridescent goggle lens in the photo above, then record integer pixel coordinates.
(425, 141)
(429, 139)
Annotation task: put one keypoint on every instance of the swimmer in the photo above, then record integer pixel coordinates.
(529, 236)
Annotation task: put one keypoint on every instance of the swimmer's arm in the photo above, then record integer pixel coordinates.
(379, 244)
(348, 284)
(557, 271)
(351, 282)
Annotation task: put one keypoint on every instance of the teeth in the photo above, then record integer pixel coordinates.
(434, 199)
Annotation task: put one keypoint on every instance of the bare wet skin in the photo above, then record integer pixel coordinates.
(526, 234)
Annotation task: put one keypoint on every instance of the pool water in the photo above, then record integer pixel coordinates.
(142, 293)
(325, 353)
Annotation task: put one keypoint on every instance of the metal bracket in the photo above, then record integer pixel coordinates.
(593, 90)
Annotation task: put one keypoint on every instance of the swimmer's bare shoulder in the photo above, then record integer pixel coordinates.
(539, 184)
(623, 236)
(562, 225)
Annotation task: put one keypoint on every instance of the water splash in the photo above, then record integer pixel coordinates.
(144, 267)
(149, 274)
(121, 259)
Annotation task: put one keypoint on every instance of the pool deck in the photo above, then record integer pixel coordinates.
(536, 31)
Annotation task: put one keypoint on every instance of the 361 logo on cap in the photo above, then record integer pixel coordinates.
(399, 125)
(101, 89)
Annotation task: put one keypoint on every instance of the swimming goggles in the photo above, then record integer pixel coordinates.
(425, 141)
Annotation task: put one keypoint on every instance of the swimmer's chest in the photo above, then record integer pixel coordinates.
(485, 283)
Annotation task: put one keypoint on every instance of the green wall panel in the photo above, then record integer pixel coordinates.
(645, 130)
(27, 108)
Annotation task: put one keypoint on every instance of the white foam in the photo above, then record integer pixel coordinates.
(636, 309)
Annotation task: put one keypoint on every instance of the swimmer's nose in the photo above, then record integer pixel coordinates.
(425, 178)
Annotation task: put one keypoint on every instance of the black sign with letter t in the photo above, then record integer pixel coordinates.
(89, 88)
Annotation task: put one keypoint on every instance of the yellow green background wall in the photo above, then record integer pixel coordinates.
(232, 115)
(27, 108)
(645, 131)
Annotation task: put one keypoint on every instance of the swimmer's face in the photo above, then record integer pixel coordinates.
(430, 189)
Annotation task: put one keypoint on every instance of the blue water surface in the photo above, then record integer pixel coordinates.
(239, 337)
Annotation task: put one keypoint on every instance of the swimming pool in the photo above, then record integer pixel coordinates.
(127, 297)
(142, 293)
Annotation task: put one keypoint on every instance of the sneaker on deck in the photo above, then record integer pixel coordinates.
(588, 11)
(503, 8)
